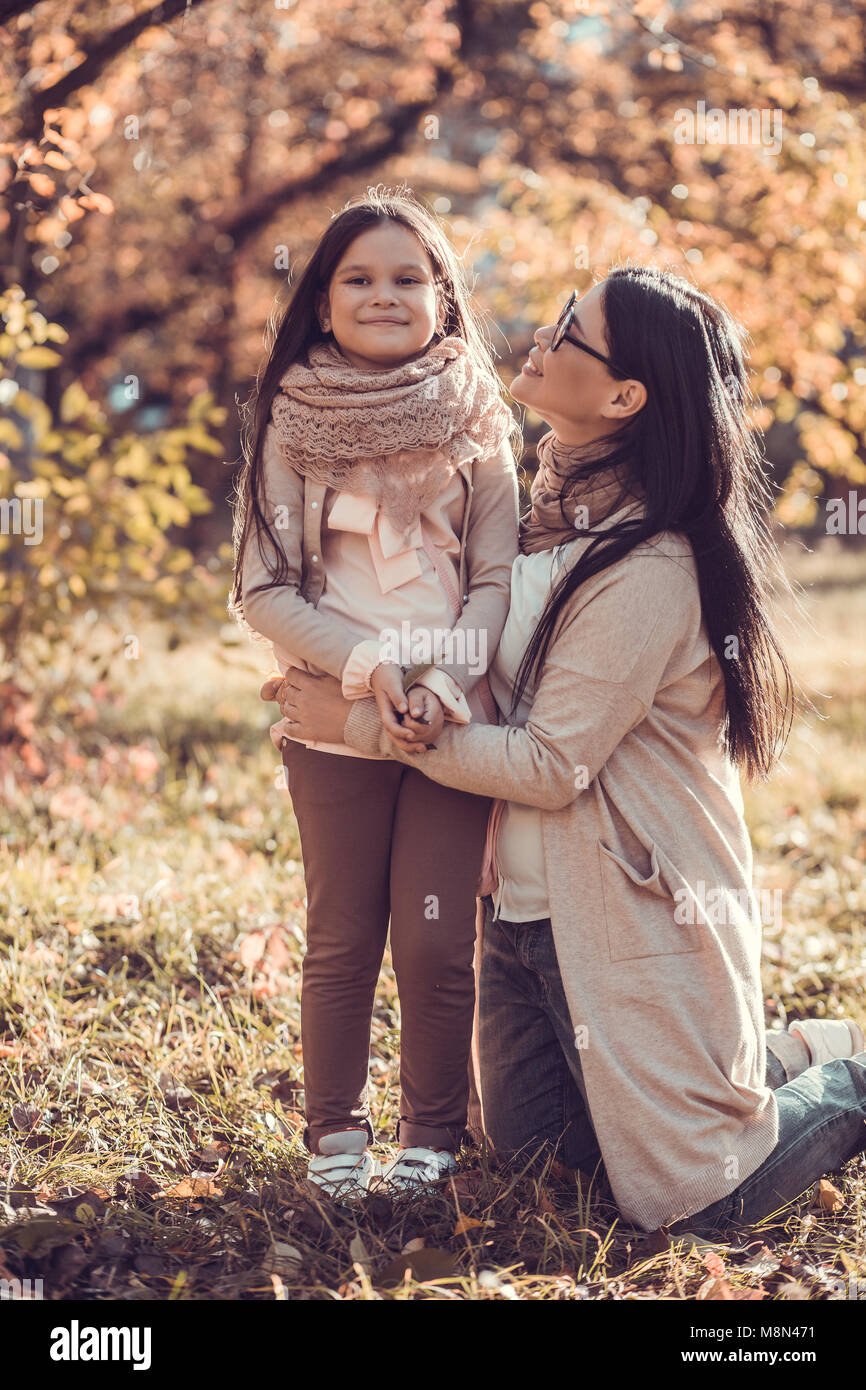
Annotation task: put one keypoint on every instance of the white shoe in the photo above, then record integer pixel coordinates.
(829, 1038)
(343, 1168)
(418, 1167)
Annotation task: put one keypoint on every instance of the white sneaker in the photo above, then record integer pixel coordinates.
(829, 1038)
(343, 1168)
(418, 1167)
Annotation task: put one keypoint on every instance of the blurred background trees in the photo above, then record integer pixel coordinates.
(167, 167)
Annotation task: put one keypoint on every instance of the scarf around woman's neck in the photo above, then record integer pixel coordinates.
(398, 434)
(593, 500)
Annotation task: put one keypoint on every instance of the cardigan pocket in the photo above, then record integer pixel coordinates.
(639, 908)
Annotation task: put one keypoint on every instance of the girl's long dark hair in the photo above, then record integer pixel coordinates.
(294, 328)
(693, 455)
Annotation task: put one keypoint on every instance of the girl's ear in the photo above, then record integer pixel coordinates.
(323, 313)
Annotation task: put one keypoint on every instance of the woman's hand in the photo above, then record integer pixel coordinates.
(315, 705)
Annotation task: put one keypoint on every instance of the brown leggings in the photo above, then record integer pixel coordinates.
(379, 839)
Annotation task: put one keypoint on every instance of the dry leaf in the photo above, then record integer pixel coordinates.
(466, 1223)
(715, 1290)
(828, 1197)
(359, 1253)
(282, 1259)
(194, 1187)
(424, 1264)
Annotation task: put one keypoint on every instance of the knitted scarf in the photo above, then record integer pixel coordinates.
(592, 501)
(398, 434)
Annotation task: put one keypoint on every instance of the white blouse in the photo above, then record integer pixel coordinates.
(521, 895)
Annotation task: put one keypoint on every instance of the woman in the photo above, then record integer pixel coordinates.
(621, 1003)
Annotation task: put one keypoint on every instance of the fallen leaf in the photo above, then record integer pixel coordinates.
(466, 1223)
(26, 1117)
(828, 1197)
(424, 1264)
(194, 1188)
(715, 1265)
(359, 1253)
(282, 1259)
(252, 948)
(715, 1290)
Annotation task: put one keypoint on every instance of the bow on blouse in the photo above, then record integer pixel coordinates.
(395, 554)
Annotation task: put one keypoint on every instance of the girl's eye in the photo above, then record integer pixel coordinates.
(356, 279)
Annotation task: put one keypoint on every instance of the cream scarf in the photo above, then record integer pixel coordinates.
(397, 435)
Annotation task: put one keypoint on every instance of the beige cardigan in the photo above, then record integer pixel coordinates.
(643, 820)
(288, 614)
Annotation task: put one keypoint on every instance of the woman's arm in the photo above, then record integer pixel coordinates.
(598, 682)
(280, 613)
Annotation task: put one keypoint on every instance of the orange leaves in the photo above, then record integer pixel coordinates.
(265, 955)
(194, 1188)
(42, 184)
(828, 1198)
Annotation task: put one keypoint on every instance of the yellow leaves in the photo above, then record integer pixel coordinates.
(466, 1223)
(41, 357)
(134, 462)
(200, 439)
(34, 487)
(10, 435)
(74, 402)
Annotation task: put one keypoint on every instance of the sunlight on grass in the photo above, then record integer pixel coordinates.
(153, 932)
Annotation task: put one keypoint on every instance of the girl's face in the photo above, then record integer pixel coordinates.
(382, 304)
(574, 392)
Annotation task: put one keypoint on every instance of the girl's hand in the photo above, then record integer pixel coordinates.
(424, 722)
(315, 706)
(386, 684)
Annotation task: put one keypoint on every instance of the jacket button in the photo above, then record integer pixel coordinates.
(314, 559)
(314, 505)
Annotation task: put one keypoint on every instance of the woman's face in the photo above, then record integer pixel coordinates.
(382, 301)
(574, 392)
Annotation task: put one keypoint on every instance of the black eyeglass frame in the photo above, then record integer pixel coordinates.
(561, 335)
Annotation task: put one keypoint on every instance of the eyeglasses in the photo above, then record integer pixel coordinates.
(562, 335)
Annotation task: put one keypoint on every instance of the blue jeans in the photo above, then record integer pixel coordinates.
(534, 1094)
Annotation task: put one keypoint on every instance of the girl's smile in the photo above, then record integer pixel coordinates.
(383, 303)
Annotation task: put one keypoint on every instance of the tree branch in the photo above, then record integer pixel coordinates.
(96, 58)
(241, 223)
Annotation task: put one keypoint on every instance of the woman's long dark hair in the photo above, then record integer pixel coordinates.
(693, 455)
(292, 331)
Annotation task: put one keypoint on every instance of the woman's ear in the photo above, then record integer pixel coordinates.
(626, 399)
(323, 313)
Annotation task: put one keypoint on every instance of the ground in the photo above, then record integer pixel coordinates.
(149, 1016)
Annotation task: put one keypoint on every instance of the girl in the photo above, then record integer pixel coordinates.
(375, 530)
(621, 1010)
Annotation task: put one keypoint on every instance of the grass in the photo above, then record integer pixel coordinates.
(149, 1016)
